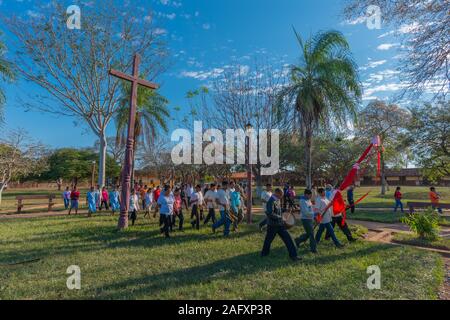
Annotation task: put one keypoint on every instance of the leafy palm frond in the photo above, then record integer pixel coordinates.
(324, 89)
(151, 114)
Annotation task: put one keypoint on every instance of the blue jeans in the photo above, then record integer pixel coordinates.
(398, 203)
(224, 220)
(330, 231)
(66, 203)
(309, 229)
(437, 207)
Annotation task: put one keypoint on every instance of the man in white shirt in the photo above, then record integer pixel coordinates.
(223, 203)
(210, 200)
(195, 203)
(165, 203)
(325, 224)
(188, 192)
(307, 218)
(265, 197)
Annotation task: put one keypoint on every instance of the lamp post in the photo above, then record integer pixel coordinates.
(93, 173)
(249, 128)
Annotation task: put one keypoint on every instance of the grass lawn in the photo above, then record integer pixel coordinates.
(139, 264)
(439, 243)
(385, 216)
(417, 194)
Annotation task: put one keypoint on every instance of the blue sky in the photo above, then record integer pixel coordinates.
(206, 35)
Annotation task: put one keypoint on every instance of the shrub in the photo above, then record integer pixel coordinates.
(425, 225)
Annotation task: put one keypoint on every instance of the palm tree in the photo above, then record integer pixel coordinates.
(324, 88)
(151, 116)
(6, 74)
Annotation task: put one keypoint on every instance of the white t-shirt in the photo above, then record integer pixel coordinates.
(189, 190)
(222, 199)
(210, 199)
(166, 204)
(265, 197)
(321, 204)
(197, 198)
(134, 203)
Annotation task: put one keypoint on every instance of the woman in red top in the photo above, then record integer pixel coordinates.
(434, 198)
(74, 198)
(156, 195)
(177, 209)
(104, 199)
(398, 199)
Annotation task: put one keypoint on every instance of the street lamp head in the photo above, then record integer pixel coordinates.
(248, 126)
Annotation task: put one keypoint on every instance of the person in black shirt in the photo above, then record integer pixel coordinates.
(275, 226)
(350, 199)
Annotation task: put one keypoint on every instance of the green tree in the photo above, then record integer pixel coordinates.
(71, 67)
(6, 74)
(324, 88)
(389, 122)
(429, 138)
(19, 157)
(151, 115)
(332, 157)
(76, 165)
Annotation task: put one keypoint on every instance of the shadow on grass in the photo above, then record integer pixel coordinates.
(94, 238)
(226, 269)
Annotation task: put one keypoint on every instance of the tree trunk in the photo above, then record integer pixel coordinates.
(308, 158)
(383, 175)
(102, 160)
(1, 192)
(258, 179)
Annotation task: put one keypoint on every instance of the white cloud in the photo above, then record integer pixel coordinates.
(33, 14)
(159, 31)
(387, 87)
(206, 26)
(382, 75)
(403, 29)
(358, 20)
(386, 46)
(373, 64)
(171, 16)
(203, 75)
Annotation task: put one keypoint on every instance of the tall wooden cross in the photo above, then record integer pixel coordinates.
(126, 171)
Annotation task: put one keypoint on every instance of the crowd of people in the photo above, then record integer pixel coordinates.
(315, 211)
(202, 202)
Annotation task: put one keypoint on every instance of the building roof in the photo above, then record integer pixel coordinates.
(239, 176)
(412, 172)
